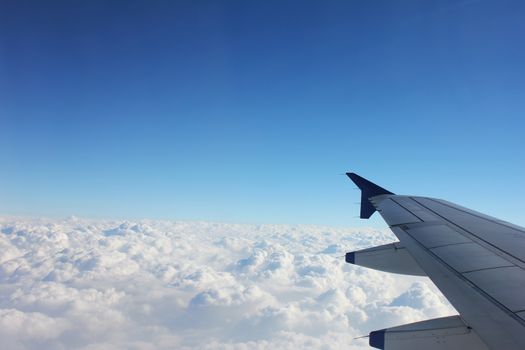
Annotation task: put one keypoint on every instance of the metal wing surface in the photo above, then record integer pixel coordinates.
(477, 261)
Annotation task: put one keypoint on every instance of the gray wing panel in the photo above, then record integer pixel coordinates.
(395, 214)
(506, 285)
(469, 257)
(496, 326)
(482, 282)
(437, 235)
(416, 209)
(509, 239)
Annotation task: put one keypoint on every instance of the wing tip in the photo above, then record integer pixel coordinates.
(368, 190)
(367, 185)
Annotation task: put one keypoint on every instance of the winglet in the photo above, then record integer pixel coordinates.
(368, 190)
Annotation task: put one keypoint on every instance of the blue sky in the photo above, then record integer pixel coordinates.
(246, 111)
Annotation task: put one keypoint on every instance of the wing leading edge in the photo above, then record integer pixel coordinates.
(478, 263)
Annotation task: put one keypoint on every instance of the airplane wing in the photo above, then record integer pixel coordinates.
(477, 261)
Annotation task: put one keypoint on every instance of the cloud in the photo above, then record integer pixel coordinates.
(84, 284)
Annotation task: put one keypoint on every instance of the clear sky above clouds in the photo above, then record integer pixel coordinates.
(246, 111)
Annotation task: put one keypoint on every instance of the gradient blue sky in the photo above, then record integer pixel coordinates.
(248, 111)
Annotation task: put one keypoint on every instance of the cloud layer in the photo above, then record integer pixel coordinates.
(162, 285)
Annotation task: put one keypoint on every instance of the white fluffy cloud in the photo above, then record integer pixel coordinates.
(162, 285)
